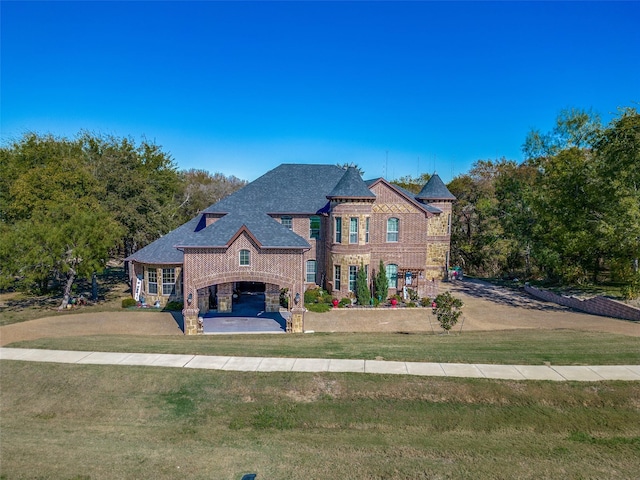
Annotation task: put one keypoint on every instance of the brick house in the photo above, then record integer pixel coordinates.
(297, 227)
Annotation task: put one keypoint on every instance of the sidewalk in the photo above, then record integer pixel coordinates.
(268, 364)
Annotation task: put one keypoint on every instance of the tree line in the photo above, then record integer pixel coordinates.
(569, 213)
(69, 205)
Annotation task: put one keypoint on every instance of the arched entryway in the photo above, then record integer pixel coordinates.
(244, 306)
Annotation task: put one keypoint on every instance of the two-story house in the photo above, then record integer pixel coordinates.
(297, 227)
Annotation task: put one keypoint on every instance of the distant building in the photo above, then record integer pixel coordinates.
(297, 227)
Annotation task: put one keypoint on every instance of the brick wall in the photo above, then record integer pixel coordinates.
(213, 266)
(602, 306)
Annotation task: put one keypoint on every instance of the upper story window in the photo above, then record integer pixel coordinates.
(353, 230)
(314, 227)
(366, 230)
(168, 281)
(287, 222)
(245, 258)
(392, 229)
(152, 281)
(449, 224)
(338, 229)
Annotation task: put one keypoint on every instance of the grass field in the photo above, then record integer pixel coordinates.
(532, 347)
(116, 422)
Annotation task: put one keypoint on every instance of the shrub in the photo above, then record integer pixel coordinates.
(174, 306)
(284, 297)
(320, 307)
(129, 302)
(344, 302)
(411, 305)
(425, 301)
(316, 295)
(447, 310)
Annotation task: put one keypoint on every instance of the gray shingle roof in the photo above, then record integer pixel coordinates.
(351, 185)
(289, 188)
(163, 250)
(435, 189)
(268, 232)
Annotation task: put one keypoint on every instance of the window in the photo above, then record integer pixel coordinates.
(366, 230)
(353, 230)
(314, 227)
(337, 272)
(353, 274)
(311, 271)
(392, 275)
(287, 222)
(152, 281)
(168, 281)
(449, 224)
(245, 258)
(392, 230)
(338, 230)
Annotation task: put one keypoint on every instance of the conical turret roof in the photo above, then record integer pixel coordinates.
(435, 189)
(351, 185)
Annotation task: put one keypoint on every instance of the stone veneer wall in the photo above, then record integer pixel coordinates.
(602, 306)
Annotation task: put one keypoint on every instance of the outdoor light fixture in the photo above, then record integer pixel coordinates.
(297, 298)
(190, 298)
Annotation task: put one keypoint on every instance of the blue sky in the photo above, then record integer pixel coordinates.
(240, 87)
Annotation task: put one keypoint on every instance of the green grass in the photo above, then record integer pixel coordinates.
(528, 347)
(110, 422)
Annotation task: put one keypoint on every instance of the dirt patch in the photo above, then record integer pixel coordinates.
(486, 307)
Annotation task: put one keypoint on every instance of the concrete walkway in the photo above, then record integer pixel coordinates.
(268, 364)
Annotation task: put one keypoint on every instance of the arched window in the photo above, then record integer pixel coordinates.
(392, 275)
(311, 271)
(392, 229)
(245, 258)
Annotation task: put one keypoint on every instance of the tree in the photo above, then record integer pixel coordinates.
(412, 184)
(202, 189)
(447, 310)
(54, 226)
(141, 186)
(363, 295)
(381, 283)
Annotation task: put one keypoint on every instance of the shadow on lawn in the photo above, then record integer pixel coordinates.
(504, 296)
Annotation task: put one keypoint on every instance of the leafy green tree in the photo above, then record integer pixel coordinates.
(202, 189)
(363, 294)
(412, 184)
(381, 283)
(447, 310)
(618, 152)
(54, 227)
(141, 187)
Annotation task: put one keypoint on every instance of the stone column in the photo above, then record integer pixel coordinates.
(295, 323)
(190, 316)
(225, 297)
(272, 297)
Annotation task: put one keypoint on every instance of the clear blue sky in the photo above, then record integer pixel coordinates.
(240, 87)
